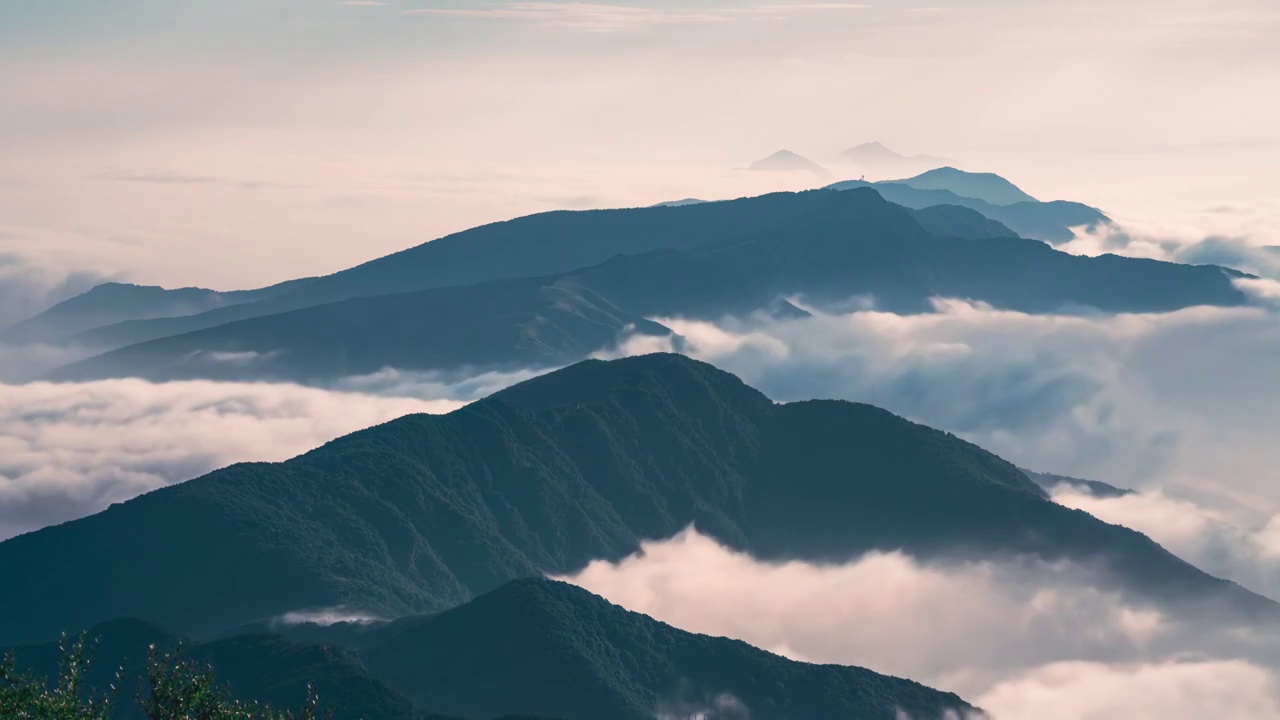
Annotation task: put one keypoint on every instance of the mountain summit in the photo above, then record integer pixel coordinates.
(988, 187)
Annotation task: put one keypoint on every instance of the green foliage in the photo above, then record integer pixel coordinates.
(178, 688)
(23, 696)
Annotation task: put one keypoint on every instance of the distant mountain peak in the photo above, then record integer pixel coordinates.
(985, 186)
(786, 160)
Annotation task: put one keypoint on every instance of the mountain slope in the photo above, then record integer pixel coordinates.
(112, 303)
(548, 648)
(851, 243)
(987, 187)
(954, 221)
(425, 512)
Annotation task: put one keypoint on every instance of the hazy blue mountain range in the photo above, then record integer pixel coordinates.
(425, 512)
(115, 315)
(1027, 217)
(532, 246)
(115, 302)
(849, 243)
(529, 648)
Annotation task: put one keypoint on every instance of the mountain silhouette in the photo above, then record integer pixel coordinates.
(987, 187)
(787, 161)
(841, 244)
(1048, 221)
(425, 512)
(532, 246)
(548, 648)
(114, 302)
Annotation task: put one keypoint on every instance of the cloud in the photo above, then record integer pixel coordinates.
(1229, 541)
(1171, 690)
(1237, 251)
(582, 16)
(885, 611)
(327, 616)
(1263, 290)
(608, 18)
(1183, 399)
(27, 288)
(1024, 640)
(171, 178)
(68, 450)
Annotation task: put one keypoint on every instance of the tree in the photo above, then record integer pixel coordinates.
(177, 689)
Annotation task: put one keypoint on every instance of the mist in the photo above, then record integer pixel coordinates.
(69, 450)
(1182, 399)
(1024, 640)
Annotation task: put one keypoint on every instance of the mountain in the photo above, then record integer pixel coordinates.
(954, 221)
(114, 302)
(263, 668)
(532, 246)
(876, 158)
(529, 648)
(841, 244)
(425, 512)
(787, 161)
(549, 648)
(1048, 221)
(987, 187)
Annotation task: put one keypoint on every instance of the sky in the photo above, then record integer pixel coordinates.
(244, 142)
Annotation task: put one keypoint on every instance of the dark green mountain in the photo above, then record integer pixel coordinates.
(987, 187)
(529, 648)
(264, 668)
(852, 243)
(548, 648)
(113, 302)
(425, 512)
(1047, 221)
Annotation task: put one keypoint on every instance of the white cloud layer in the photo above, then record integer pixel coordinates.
(1025, 641)
(68, 450)
(1230, 541)
(1183, 399)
